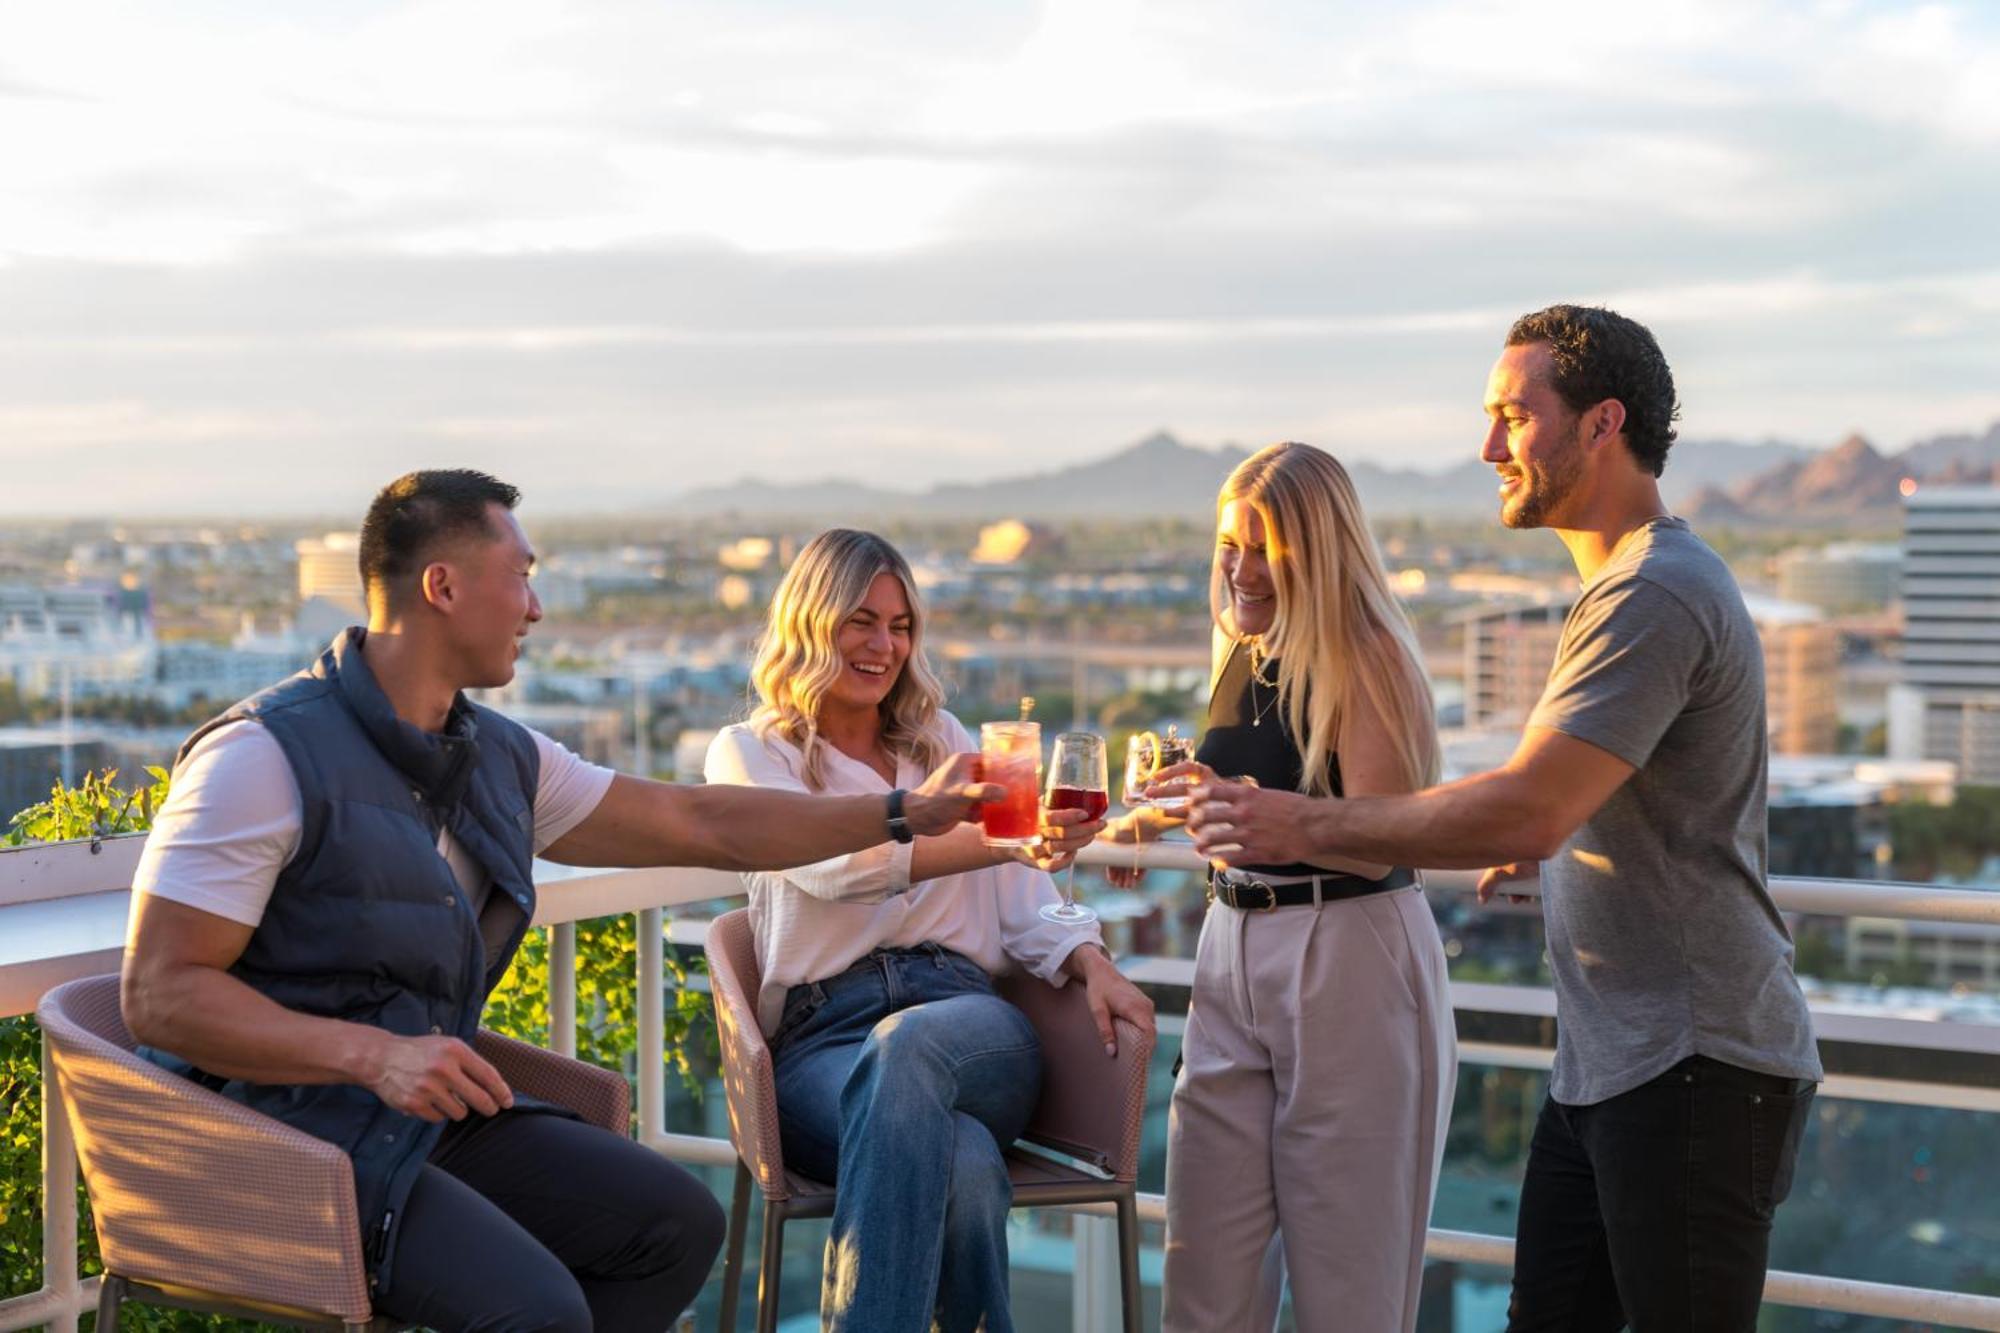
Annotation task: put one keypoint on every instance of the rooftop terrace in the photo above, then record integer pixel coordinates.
(63, 913)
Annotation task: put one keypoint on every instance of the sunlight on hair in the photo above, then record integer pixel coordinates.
(1338, 623)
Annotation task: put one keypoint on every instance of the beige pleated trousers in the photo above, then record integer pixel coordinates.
(1309, 1118)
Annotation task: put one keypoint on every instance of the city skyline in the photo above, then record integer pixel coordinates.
(261, 261)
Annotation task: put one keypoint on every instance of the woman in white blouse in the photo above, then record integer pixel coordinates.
(901, 1075)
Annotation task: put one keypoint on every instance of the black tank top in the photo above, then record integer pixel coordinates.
(1247, 735)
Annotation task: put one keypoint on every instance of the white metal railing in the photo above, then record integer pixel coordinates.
(63, 909)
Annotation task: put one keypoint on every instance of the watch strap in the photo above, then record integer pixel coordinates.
(899, 824)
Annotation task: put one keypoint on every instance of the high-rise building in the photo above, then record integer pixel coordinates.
(1947, 704)
(1801, 676)
(329, 568)
(1845, 576)
(1508, 652)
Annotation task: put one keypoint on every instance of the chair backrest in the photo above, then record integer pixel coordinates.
(747, 1078)
(190, 1188)
(1093, 1105)
(87, 1010)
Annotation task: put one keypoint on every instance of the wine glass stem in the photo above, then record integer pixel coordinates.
(1069, 886)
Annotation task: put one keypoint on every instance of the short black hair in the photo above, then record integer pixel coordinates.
(419, 511)
(1600, 354)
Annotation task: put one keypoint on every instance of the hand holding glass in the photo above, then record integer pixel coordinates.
(1077, 781)
(1145, 755)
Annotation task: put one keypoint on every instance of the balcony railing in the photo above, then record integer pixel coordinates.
(63, 914)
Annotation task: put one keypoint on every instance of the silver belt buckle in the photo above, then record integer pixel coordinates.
(1238, 887)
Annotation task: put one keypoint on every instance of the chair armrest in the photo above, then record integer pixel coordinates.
(191, 1189)
(1093, 1105)
(600, 1096)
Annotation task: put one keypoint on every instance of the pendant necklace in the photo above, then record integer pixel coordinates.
(1256, 679)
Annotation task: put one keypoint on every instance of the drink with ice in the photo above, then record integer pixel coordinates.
(1010, 757)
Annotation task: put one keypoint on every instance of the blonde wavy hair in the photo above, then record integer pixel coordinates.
(797, 661)
(1338, 628)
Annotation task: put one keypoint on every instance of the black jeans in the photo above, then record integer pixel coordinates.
(1654, 1208)
(528, 1222)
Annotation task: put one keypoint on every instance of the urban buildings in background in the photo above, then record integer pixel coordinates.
(1510, 647)
(330, 569)
(650, 627)
(1947, 703)
(1841, 577)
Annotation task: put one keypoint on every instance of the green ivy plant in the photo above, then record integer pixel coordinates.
(94, 808)
(607, 1013)
(607, 1001)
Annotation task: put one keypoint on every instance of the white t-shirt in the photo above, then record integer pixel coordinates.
(814, 921)
(233, 819)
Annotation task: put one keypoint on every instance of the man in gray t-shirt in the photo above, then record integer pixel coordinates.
(1685, 1063)
(1662, 935)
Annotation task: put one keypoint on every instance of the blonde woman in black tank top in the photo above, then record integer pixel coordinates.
(1308, 1118)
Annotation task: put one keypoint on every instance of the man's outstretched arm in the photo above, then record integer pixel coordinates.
(644, 823)
(1522, 811)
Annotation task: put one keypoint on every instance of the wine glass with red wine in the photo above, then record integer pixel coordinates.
(1078, 780)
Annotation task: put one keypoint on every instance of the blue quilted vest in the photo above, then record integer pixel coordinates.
(367, 923)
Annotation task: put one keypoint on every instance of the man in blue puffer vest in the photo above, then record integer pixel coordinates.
(342, 873)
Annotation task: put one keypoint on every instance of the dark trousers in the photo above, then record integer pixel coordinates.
(527, 1222)
(1654, 1208)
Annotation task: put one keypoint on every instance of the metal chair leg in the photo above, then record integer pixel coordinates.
(770, 1261)
(1128, 1259)
(110, 1295)
(732, 1262)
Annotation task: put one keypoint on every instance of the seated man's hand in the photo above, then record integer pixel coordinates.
(437, 1078)
(1063, 834)
(950, 796)
(1110, 994)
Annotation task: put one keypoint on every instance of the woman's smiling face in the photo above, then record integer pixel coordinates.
(873, 643)
(1246, 567)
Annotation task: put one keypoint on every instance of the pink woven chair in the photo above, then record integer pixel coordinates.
(1092, 1109)
(204, 1204)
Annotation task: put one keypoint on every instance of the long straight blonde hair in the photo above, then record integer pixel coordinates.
(798, 661)
(1340, 637)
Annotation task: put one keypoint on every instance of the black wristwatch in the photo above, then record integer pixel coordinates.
(899, 824)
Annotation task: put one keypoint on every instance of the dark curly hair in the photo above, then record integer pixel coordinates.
(1600, 354)
(420, 511)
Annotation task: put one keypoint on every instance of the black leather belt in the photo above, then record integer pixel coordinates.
(1248, 893)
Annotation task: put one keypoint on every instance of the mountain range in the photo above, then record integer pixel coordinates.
(1719, 482)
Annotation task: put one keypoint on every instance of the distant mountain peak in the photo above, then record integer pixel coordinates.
(1159, 447)
(1160, 473)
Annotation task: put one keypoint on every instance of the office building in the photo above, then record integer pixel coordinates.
(1946, 705)
(330, 568)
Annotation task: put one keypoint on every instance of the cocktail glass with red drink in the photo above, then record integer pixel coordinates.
(1010, 757)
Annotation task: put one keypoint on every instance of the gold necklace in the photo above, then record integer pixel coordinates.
(1256, 679)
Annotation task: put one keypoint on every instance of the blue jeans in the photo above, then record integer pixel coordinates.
(900, 1081)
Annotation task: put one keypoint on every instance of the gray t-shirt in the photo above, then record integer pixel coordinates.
(1661, 931)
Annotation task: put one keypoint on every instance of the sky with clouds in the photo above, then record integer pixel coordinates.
(259, 257)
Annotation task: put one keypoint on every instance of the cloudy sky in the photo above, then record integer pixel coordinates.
(260, 256)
